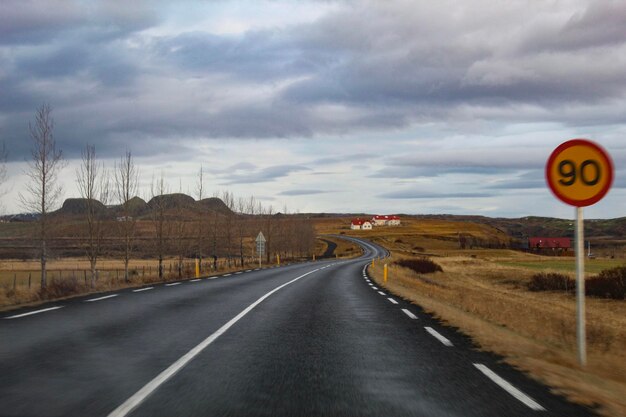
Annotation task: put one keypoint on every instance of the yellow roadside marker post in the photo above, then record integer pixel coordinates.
(372, 263)
(278, 259)
(197, 268)
(385, 274)
(313, 256)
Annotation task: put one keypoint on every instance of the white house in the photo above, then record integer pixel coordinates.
(359, 224)
(380, 220)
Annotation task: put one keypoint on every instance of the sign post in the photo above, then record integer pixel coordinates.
(260, 246)
(579, 172)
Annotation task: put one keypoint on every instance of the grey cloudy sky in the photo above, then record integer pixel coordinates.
(390, 107)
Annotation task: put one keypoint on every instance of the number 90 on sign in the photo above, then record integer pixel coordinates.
(579, 172)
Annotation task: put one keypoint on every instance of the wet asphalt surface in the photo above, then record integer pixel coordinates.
(327, 344)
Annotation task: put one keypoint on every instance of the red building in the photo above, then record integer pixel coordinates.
(555, 244)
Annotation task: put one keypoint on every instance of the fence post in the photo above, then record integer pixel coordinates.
(385, 274)
(14, 281)
(29, 277)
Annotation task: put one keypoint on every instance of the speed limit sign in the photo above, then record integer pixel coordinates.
(579, 172)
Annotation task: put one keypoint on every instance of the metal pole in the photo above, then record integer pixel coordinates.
(580, 288)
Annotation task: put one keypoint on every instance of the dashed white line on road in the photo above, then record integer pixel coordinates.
(101, 298)
(226, 275)
(238, 272)
(43, 310)
(143, 289)
(505, 385)
(374, 288)
(172, 284)
(392, 300)
(136, 399)
(195, 280)
(381, 293)
(438, 336)
(248, 270)
(408, 313)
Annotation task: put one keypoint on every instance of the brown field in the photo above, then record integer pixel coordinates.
(483, 293)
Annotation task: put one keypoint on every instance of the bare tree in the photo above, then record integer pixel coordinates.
(201, 216)
(3, 169)
(126, 184)
(93, 186)
(42, 189)
(158, 190)
(242, 225)
(229, 199)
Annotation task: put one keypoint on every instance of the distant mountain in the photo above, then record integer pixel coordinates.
(524, 227)
(214, 204)
(75, 206)
(139, 208)
(171, 201)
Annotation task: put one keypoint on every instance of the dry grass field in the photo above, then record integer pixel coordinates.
(20, 279)
(484, 293)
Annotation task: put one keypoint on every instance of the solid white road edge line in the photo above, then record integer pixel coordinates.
(101, 298)
(408, 313)
(392, 300)
(505, 385)
(143, 289)
(438, 336)
(134, 401)
(43, 310)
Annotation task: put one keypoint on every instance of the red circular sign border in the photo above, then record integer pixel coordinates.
(566, 145)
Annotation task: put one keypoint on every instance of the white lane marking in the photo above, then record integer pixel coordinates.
(195, 280)
(381, 293)
(505, 385)
(137, 398)
(238, 272)
(392, 300)
(374, 288)
(172, 284)
(43, 310)
(226, 275)
(438, 336)
(101, 298)
(408, 313)
(248, 270)
(212, 277)
(143, 289)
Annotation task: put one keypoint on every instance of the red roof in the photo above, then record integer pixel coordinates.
(385, 217)
(359, 222)
(550, 242)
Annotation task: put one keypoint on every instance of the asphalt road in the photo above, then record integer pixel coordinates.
(315, 339)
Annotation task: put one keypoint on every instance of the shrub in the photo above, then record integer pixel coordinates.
(58, 288)
(610, 283)
(551, 282)
(421, 265)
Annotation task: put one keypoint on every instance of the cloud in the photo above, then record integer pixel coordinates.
(421, 195)
(302, 192)
(268, 174)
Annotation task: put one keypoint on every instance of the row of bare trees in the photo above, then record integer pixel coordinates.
(179, 231)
